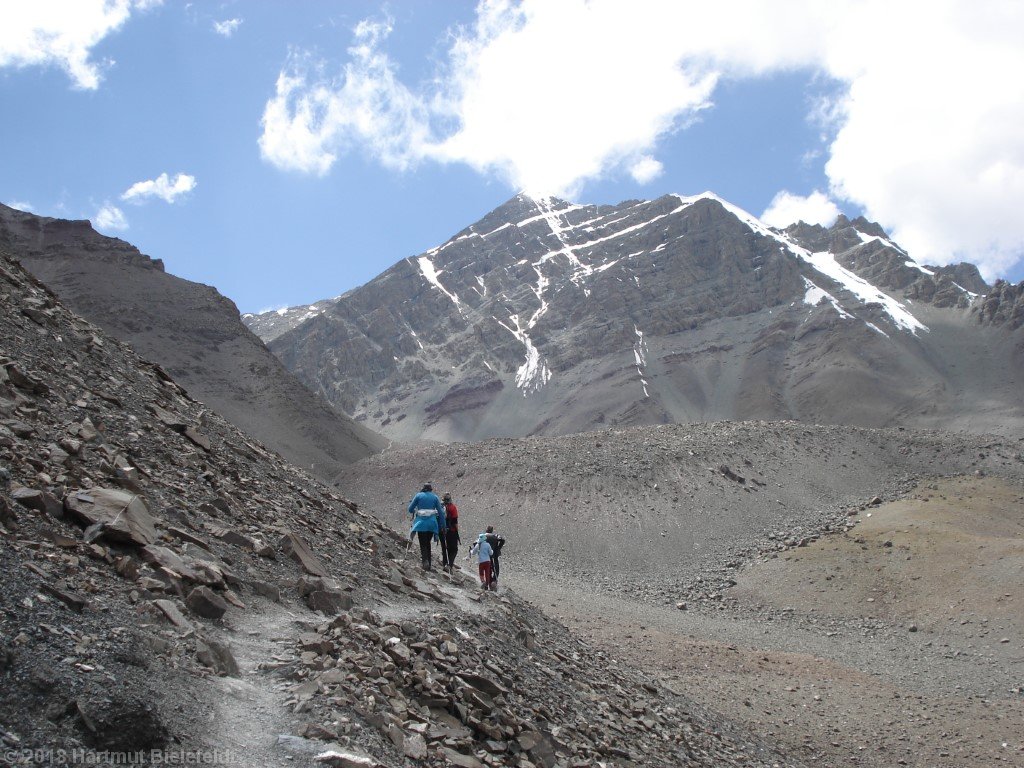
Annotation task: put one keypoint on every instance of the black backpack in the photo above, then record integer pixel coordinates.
(496, 542)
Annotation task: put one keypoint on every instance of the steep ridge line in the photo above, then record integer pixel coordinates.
(191, 330)
(740, 321)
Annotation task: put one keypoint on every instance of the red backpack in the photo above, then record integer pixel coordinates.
(451, 516)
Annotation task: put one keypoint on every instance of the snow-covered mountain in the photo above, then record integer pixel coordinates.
(549, 317)
(272, 323)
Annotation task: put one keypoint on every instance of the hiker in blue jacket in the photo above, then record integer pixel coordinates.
(428, 520)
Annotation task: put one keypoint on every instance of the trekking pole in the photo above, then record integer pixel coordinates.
(408, 546)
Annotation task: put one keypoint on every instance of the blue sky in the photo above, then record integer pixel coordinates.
(305, 147)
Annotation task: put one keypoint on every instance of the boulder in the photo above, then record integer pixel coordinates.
(176, 617)
(459, 759)
(236, 539)
(168, 419)
(121, 516)
(415, 747)
(8, 518)
(198, 438)
(307, 585)
(203, 601)
(300, 552)
(484, 684)
(329, 602)
(345, 760)
(40, 501)
(70, 599)
(266, 589)
(217, 657)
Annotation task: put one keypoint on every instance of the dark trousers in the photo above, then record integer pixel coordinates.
(425, 537)
(495, 567)
(449, 547)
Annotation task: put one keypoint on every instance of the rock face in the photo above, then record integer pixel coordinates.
(114, 632)
(551, 318)
(189, 329)
(1004, 306)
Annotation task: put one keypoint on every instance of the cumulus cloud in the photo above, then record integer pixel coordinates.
(21, 205)
(62, 33)
(646, 169)
(227, 28)
(787, 208)
(313, 116)
(110, 218)
(162, 187)
(923, 133)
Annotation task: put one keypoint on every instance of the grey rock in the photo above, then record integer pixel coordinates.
(203, 601)
(123, 516)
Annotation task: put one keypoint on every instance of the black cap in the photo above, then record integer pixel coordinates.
(428, 487)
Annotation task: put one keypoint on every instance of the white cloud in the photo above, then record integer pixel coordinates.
(549, 94)
(228, 27)
(313, 117)
(21, 205)
(646, 169)
(110, 218)
(163, 187)
(787, 208)
(62, 33)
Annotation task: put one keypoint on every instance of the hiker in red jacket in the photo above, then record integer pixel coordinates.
(450, 539)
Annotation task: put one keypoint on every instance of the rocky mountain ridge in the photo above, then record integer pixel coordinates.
(193, 331)
(172, 584)
(551, 318)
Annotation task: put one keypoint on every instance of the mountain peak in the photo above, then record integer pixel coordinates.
(547, 316)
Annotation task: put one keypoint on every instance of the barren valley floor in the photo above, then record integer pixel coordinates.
(898, 642)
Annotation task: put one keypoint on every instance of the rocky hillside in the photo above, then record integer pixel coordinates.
(551, 318)
(171, 583)
(670, 512)
(192, 331)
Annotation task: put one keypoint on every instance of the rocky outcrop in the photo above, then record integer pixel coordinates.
(1004, 306)
(864, 248)
(190, 330)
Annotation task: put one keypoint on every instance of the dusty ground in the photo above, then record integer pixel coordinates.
(900, 642)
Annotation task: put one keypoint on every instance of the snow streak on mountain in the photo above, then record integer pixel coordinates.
(550, 317)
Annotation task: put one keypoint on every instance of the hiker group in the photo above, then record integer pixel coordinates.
(437, 519)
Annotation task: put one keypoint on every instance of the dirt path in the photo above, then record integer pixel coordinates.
(251, 721)
(900, 643)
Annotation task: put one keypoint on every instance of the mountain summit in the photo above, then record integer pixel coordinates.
(547, 317)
